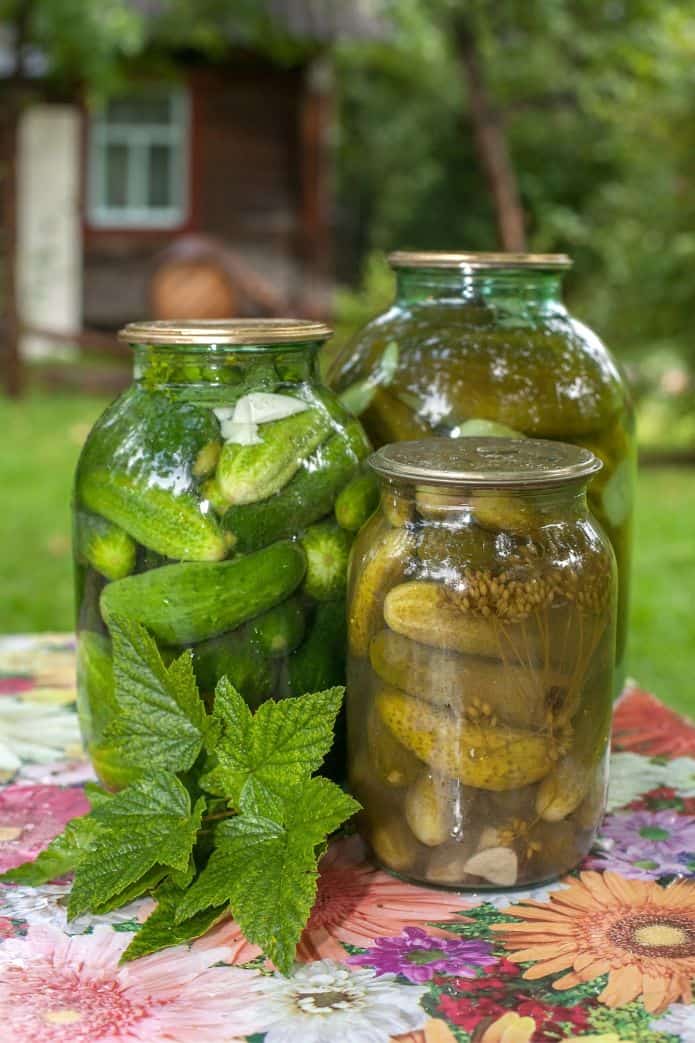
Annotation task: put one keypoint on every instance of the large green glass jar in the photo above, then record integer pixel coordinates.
(204, 504)
(482, 344)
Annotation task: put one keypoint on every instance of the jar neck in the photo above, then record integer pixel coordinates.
(213, 364)
(515, 288)
(568, 498)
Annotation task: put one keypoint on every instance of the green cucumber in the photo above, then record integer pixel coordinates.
(206, 459)
(238, 658)
(149, 432)
(211, 492)
(279, 630)
(249, 473)
(358, 500)
(192, 601)
(319, 662)
(309, 496)
(170, 524)
(327, 548)
(106, 547)
(96, 702)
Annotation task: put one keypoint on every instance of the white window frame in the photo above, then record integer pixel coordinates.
(138, 138)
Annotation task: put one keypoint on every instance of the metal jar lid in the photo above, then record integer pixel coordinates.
(521, 463)
(225, 331)
(474, 261)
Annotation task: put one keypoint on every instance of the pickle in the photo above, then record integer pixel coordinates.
(484, 757)
(389, 420)
(210, 491)
(563, 790)
(442, 548)
(248, 473)
(392, 763)
(398, 510)
(357, 501)
(393, 845)
(431, 613)
(430, 810)
(327, 547)
(384, 563)
(518, 695)
(206, 460)
(434, 504)
(503, 512)
(104, 545)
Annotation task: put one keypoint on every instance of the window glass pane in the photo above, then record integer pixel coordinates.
(116, 160)
(159, 187)
(140, 109)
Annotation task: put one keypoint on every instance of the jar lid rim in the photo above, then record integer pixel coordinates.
(470, 261)
(485, 461)
(224, 331)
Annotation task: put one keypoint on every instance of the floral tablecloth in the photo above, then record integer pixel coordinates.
(605, 954)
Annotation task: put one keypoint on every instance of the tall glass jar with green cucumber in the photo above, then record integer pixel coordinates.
(481, 636)
(479, 344)
(215, 503)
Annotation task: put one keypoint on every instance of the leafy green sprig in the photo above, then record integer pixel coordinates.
(224, 814)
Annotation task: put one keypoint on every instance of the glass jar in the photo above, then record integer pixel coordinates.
(482, 344)
(204, 509)
(481, 643)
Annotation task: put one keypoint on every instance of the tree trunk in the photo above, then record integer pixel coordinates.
(13, 108)
(13, 365)
(491, 145)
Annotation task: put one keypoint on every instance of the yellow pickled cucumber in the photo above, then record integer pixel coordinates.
(503, 512)
(460, 547)
(382, 565)
(485, 757)
(393, 845)
(388, 758)
(481, 688)
(435, 504)
(566, 786)
(435, 615)
(398, 510)
(430, 810)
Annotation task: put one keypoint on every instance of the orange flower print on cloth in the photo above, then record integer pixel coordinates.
(644, 725)
(355, 904)
(640, 934)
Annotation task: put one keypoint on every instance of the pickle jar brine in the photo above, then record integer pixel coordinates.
(482, 344)
(481, 643)
(205, 509)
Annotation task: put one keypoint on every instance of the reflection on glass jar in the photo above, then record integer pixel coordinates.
(205, 509)
(482, 344)
(481, 644)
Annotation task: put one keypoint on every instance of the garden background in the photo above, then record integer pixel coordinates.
(548, 125)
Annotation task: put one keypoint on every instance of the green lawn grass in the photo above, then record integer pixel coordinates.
(42, 437)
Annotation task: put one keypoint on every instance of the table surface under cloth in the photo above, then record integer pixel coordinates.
(606, 954)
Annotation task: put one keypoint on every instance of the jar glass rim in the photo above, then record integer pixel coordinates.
(521, 463)
(243, 332)
(472, 261)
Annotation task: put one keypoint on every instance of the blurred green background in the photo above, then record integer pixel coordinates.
(591, 103)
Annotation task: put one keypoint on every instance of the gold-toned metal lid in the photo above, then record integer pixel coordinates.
(474, 261)
(509, 462)
(225, 331)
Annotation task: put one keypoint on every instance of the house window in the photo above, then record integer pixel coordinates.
(138, 161)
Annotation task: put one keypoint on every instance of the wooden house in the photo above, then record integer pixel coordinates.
(202, 194)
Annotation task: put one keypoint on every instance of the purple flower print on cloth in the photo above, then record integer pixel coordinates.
(418, 956)
(645, 845)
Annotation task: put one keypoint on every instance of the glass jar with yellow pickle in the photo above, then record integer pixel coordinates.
(483, 344)
(481, 617)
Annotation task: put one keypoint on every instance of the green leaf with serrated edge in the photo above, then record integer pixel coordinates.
(144, 885)
(268, 874)
(96, 794)
(282, 743)
(149, 823)
(161, 720)
(267, 869)
(161, 930)
(62, 855)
